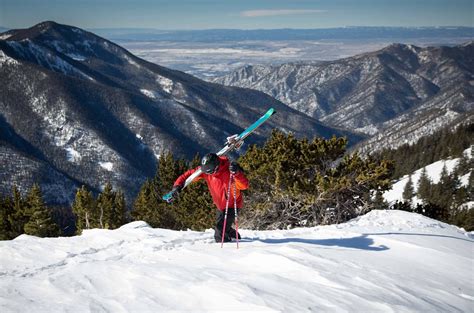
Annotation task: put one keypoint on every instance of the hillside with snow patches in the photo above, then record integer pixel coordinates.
(433, 171)
(395, 95)
(385, 261)
(77, 109)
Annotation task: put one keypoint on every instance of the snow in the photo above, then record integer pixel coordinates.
(369, 129)
(76, 56)
(433, 171)
(150, 93)
(73, 155)
(107, 166)
(5, 59)
(165, 83)
(385, 261)
(47, 58)
(5, 36)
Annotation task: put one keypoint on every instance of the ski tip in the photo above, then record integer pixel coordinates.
(270, 112)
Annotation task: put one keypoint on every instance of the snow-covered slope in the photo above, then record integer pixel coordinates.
(385, 261)
(433, 171)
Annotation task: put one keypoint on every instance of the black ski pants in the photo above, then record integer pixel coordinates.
(229, 231)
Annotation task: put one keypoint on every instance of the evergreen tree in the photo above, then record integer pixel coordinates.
(408, 191)
(403, 206)
(424, 187)
(112, 208)
(470, 188)
(6, 210)
(41, 221)
(463, 217)
(444, 189)
(84, 208)
(144, 207)
(441, 145)
(312, 182)
(105, 206)
(119, 214)
(20, 214)
(379, 202)
(464, 165)
(149, 206)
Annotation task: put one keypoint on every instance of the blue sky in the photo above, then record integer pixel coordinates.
(240, 14)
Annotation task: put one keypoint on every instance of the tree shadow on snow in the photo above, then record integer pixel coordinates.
(361, 242)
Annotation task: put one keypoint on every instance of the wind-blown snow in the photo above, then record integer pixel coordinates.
(385, 261)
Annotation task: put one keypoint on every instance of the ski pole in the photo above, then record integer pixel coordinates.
(226, 210)
(235, 211)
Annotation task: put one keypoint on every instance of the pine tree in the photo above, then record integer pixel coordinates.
(6, 210)
(41, 221)
(445, 189)
(20, 214)
(168, 170)
(470, 187)
(379, 202)
(144, 207)
(84, 208)
(119, 215)
(408, 191)
(424, 187)
(299, 180)
(464, 165)
(148, 205)
(105, 206)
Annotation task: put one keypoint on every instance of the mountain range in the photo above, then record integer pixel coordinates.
(78, 109)
(395, 95)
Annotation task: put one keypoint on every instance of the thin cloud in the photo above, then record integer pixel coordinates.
(260, 13)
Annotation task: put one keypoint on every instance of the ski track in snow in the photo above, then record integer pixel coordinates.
(385, 261)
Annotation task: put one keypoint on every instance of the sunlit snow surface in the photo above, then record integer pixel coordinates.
(385, 261)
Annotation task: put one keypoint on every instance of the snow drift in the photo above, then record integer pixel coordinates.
(385, 261)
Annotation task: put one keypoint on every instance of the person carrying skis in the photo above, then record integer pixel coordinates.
(216, 170)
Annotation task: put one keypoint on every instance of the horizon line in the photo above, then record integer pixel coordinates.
(246, 29)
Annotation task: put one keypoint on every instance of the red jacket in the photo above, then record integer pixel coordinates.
(218, 184)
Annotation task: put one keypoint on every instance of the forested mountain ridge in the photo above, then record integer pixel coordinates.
(79, 109)
(397, 95)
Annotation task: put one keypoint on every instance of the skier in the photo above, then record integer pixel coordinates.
(216, 171)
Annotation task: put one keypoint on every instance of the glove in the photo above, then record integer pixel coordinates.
(175, 192)
(234, 167)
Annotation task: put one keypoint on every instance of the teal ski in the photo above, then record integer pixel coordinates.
(232, 144)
